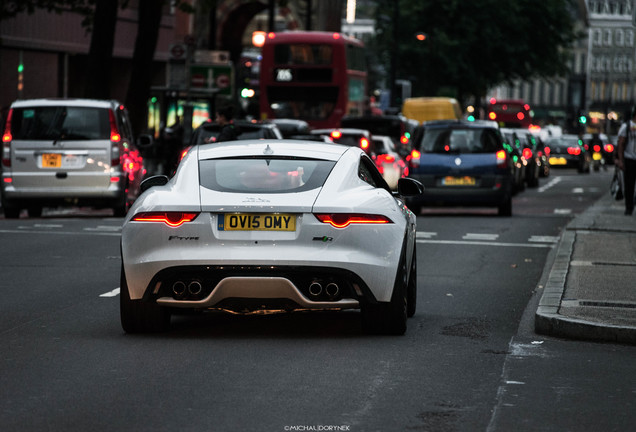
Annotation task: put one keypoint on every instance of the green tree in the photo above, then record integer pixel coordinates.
(472, 46)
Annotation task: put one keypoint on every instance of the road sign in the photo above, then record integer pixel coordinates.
(178, 51)
(212, 77)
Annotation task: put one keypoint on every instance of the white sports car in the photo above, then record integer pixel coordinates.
(270, 226)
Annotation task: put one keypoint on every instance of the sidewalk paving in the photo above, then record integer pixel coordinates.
(590, 291)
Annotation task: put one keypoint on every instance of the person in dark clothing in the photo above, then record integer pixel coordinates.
(626, 159)
(225, 118)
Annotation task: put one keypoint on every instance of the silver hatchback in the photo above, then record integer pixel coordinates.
(68, 152)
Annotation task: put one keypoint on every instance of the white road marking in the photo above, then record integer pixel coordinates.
(544, 239)
(485, 243)
(113, 293)
(562, 211)
(577, 190)
(428, 235)
(550, 184)
(107, 228)
(477, 236)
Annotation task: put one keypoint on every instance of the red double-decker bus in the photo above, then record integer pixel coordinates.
(318, 77)
(511, 113)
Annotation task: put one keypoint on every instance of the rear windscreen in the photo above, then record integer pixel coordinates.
(473, 140)
(55, 123)
(263, 175)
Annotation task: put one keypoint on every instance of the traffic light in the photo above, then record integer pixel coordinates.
(247, 93)
(582, 119)
(20, 76)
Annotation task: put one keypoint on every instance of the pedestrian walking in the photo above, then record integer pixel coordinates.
(626, 159)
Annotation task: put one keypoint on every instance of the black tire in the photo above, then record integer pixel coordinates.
(34, 212)
(505, 208)
(411, 290)
(389, 318)
(138, 316)
(11, 213)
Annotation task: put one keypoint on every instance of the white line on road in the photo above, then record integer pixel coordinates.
(483, 243)
(550, 184)
(113, 293)
(544, 239)
(422, 234)
(477, 236)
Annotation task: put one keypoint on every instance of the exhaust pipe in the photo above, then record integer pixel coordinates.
(179, 288)
(332, 290)
(195, 287)
(315, 289)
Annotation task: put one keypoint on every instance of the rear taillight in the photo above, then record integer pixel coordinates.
(115, 138)
(386, 158)
(609, 148)
(502, 159)
(414, 158)
(172, 219)
(342, 220)
(364, 143)
(404, 139)
(574, 151)
(336, 134)
(547, 151)
(527, 153)
(597, 148)
(6, 141)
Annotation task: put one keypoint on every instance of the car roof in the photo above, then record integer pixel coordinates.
(345, 131)
(297, 148)
(94, 103)
(460, 124)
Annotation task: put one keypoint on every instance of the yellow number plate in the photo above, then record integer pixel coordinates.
(459, 181)
(597, 156)
(558, 161)
(51, 160)
(256, 222)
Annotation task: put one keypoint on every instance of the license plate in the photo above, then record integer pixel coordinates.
(558, 161)
(597, 156)
(256, 222)
(51, 160)
(459, 181)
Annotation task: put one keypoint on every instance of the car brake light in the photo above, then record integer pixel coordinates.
(609, 148)
(6, 141)
(404, 139)
(386, 158)
(336, 134)
(342, 220)
(574, 150)
(492, 115)
(114, 132)
(547, 151)
(414, 158)
(527, 153)
(172, 219)
(364, 143)
(184, 153)
(502, 158)
(597, 148)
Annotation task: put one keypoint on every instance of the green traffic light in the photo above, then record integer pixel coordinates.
(470, 118)
(582, 119)
(20, 68)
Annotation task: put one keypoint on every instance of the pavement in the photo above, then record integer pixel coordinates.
(590, 288)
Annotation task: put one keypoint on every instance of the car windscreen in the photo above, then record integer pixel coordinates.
(60, 123)
(263, 174)
(455, 140)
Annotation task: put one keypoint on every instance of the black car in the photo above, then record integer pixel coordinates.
(526, 144)
(462, 163)
(398, 127)
(569, 151)
(246, 129)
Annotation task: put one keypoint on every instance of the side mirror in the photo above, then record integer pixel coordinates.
(144, 141)
(159, 180)
(409, 187)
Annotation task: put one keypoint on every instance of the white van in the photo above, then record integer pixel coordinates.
(68, 152)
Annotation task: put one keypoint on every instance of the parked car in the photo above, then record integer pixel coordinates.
(526, 144)
(390, 164)
(569, 151)
(398, 127)
(462, 163)
(59, 152)
(350, 137)
(208, 131)
(268, 225)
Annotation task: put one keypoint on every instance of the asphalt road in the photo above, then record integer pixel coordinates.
(469, 361)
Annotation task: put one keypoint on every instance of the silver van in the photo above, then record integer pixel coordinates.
(68, 152)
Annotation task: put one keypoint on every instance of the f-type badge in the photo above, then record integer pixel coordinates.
(323, 239)
(458, 161)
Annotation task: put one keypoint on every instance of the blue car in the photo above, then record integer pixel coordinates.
(462, 163)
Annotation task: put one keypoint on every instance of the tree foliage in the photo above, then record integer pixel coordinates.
(472, 46)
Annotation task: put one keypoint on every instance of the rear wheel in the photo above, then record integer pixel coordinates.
(411, 290)
(138, 316)
(389, 318)
(505, 208)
